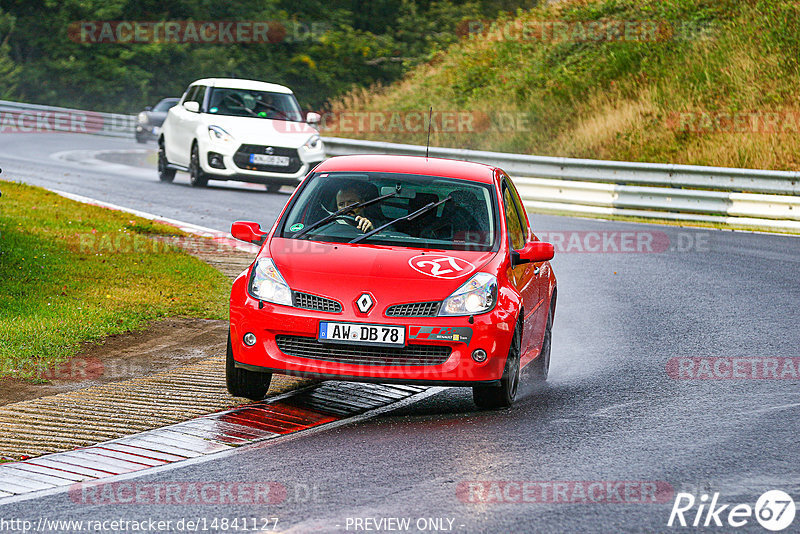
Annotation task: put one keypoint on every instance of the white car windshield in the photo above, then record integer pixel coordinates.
(401, 210)
(253, 103)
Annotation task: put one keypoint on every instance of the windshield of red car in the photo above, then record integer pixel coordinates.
(466, 222)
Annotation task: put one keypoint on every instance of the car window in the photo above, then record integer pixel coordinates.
(199, 95)
(520, 206)
(189, 94)
(513, 220)
(466, 221)
(254, 103)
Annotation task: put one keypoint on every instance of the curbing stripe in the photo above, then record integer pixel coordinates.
(157, 447)
(11, 479)
(148, 462)
(144, 453)
(64, 464)
(256, 445)
(45, 479)
(72, 477)
(205, 436)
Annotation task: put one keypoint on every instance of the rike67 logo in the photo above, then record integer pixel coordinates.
(774, 510)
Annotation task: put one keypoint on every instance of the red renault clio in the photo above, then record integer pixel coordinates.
(395, 269)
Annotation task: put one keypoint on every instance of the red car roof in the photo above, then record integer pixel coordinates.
(448, 168)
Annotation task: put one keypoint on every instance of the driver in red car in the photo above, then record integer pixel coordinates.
(347, 196)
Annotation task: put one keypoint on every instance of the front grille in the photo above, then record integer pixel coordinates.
(242, 159)
(309, 347)
(414, 309)
(314, 302)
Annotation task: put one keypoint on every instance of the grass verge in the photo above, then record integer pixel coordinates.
(73, 273)
(717, 84)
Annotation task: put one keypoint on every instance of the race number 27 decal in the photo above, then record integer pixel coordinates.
(440, 266)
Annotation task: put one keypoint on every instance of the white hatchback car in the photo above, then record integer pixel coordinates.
(244, 130)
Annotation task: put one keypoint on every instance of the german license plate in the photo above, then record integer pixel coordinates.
(367, 334)
(263, 159)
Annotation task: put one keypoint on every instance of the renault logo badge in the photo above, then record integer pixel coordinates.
(364, 303)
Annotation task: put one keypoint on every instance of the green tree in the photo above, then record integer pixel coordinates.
(9, 71)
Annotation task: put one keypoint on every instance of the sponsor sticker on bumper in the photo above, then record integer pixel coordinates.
(441, 333)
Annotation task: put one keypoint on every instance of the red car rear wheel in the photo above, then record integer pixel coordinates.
(540, 367)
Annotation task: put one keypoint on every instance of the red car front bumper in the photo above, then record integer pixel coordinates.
(274, 324)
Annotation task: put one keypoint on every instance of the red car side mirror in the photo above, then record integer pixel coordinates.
(533, 252)
(249, 232)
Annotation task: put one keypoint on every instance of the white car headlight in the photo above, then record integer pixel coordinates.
(215, 133)
(267, 284)
(142, 116)
(477, 295)
(313, 142)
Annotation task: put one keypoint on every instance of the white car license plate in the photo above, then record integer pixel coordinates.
(263, 159)
(368, 334)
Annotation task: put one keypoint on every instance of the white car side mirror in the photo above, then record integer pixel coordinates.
(192, 106)
(313, 118)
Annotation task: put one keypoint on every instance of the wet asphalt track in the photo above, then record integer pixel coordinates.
(610, 411)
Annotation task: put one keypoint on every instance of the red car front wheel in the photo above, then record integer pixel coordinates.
(243, 383)
(493, 397)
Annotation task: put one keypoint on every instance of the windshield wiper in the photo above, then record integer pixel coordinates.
(344, 210)
(410, 217)
(273, 108)
(240, 104)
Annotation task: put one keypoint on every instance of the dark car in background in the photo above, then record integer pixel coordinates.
(149, 121)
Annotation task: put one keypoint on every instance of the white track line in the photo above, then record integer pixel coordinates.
(181, 225)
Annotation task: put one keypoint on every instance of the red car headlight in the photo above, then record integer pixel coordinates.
(267, 284)
(477, 295)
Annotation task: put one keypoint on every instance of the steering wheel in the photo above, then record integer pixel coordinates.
(350, 219)
(334, 229)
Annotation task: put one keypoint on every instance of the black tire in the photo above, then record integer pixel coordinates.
(141, 139)
(197, 177)
(243, 383)
(502, 396)
(540, 367)
(273, 188)
(165, 174)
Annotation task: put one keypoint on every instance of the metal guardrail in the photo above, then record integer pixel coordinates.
(19, 117)
(727, 196)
